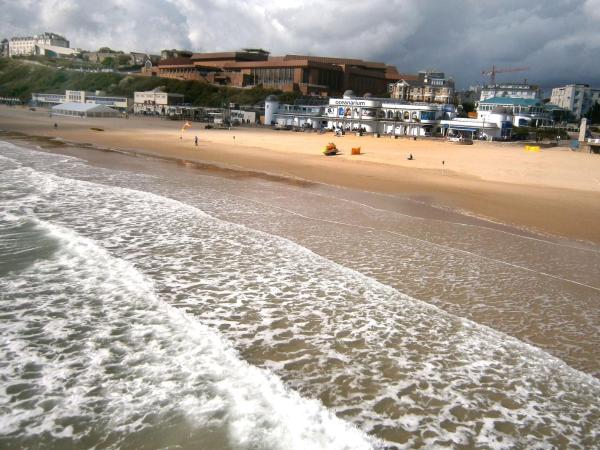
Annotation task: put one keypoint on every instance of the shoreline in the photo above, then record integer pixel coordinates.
(553, 209)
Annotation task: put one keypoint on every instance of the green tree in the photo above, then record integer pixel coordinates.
(593, 115)
(468, 107)
(109, 61)
(123, 60)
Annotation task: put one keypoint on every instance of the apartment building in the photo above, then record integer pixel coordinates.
(426, 86)
(511, 90)
(576, 98)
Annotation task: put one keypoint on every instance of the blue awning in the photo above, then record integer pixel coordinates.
(459, 128)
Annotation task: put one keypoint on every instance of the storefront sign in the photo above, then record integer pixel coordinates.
(346, 102)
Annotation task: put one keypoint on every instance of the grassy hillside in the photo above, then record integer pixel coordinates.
(19, 78)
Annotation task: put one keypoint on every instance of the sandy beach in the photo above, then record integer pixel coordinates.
(554, 191)
(350, 283)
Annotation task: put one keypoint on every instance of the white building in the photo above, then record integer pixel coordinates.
(120, 103)
(495, 126)
(368, 114)
(511, 90)
(21, 46)
(577, 98)
(155, 101)
(54, 51)
(83, 110)
(524, 111)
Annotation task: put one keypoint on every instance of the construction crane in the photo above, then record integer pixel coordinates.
(492, 73)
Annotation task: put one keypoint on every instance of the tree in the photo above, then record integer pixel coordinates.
(109, 61)
(468, 107)
(123, 60)
(593, 115)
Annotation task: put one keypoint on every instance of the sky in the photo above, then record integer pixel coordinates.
(557, 40)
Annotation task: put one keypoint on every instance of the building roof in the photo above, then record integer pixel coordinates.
(233, 56)
(83, 107)
(338, 61)
(58, 50)
(513, 101)
(179, 61)
(278, 63)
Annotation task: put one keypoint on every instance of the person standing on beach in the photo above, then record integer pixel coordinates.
(196, 140)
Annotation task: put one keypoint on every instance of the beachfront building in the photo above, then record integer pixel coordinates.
(426, 86)
(83, 110)
(31, 45)
(576, 98)
(365, 114)
(524, 111)
(117, 102)
(301, 115)
(497, 125)
(511, 90)
(155, 102)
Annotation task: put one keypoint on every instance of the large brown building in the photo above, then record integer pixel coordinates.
(307, 74)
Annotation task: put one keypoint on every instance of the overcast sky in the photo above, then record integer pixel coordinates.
(559, 40)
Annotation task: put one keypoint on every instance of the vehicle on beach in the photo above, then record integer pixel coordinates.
(460, 140)
(330, 149)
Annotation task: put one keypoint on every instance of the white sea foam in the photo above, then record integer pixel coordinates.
(396, 367)
(165, 362)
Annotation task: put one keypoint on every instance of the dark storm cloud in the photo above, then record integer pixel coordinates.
(557, 39)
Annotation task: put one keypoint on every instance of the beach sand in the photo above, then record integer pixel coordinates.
(554, 191)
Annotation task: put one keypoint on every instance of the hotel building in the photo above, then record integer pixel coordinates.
(512, 90)
(310, 75)
(26, 46)
(426, 86)
(576, 98)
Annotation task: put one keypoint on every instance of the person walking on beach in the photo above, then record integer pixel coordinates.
(196, 140)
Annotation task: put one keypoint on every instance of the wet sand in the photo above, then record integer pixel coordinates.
(554, 192)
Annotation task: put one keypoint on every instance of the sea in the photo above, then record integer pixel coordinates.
(153, 303)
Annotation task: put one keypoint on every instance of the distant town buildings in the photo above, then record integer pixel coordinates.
(4, 48)
(168, 54)
(309, 75)
(37, 44)
(426, 86)
(576, 98)
(512, 90)
(120, 103)
(471, 95)
(120, 58)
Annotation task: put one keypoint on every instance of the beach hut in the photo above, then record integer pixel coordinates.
(83, 110)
